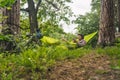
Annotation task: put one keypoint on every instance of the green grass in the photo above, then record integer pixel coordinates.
(35, 62)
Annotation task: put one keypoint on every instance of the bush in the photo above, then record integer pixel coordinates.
(33, 63)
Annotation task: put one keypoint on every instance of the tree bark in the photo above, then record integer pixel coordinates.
(32, 16)
(10, 25)
(0, 20)
(118, 4)
(106, 29)
(13, 18)
(32, 11)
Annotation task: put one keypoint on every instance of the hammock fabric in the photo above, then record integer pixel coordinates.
(52, 41)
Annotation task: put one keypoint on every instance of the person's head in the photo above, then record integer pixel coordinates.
(80, 36)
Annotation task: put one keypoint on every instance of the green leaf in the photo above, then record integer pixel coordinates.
(6, 3)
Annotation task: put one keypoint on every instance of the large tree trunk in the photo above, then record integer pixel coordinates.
(0, 20)
(32, 16)
(118, 4)
(106, 30)
(13, 18)
(10, 25)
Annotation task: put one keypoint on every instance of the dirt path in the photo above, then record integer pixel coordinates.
(89, 67)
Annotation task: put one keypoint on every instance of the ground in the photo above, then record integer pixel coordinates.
(89, 67)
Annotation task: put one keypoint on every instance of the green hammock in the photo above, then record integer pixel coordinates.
(87, 38)
(52, 41)
(90, 36)
(49, 40)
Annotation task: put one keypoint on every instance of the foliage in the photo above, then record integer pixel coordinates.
(55, 14)
(89, 22)
(95, 6)
(33, 63)
(5, 37)
(54, 11)
(113, 52)
(49, 28)
(34, 60)
(6, 3)
(8, 43)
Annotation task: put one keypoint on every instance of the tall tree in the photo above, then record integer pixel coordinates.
(44, 10)
(118, 9)
(32, 10)
(0, 20)
(106, 29)
(13, 17)
(3, 4)
(10, 23)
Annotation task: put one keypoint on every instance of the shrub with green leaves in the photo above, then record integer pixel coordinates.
(35, 62)
(6, 3)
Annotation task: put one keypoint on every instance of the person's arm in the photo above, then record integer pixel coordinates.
(75, 41)
(81, 43)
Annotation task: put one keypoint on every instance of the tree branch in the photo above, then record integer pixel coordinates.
(54, 5)
(38, 4)
(27, 10)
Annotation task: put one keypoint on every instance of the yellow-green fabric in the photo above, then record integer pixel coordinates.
(49, 40)
(89, 36)
(52, 41)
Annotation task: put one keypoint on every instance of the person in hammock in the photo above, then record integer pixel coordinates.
(80, 42)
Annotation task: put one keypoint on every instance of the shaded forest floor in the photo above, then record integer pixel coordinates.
(89, 67)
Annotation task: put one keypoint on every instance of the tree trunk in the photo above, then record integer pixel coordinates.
(10, 25)
(32, 16)
(13, 18)
(118, 4)
(0, 20)
(106, 30)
